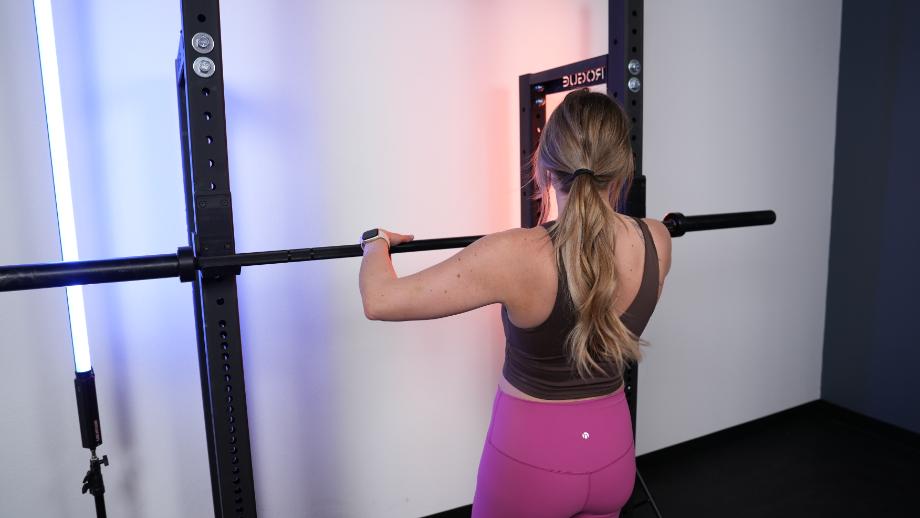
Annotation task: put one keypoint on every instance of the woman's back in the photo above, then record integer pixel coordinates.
(537, 301)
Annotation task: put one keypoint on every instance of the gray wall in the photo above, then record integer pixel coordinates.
(872, 340)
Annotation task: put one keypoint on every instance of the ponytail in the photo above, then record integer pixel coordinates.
(588, 131)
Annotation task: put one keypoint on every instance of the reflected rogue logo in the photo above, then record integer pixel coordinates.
(580, 78)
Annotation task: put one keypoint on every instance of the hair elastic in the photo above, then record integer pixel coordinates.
(580, 172)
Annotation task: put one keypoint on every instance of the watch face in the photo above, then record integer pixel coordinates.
(369, 234)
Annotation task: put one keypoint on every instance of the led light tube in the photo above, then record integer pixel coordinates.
(51, 84)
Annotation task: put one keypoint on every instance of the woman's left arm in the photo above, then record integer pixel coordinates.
(477, 275)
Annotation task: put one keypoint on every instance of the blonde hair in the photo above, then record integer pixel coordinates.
(588, 130)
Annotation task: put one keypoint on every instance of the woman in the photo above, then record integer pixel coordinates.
(576, 293)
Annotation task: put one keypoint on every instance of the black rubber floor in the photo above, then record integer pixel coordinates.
(815, 460)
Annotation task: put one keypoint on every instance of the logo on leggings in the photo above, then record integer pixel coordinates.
(585, 436)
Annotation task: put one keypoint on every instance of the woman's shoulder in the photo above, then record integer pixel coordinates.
(514, 248)
(661, 236)
(517, 238)
(658, 230)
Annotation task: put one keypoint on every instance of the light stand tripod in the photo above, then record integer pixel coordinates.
(91, 433)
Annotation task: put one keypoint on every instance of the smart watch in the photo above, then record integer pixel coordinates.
(373, 235)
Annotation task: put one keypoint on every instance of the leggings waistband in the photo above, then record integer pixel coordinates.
(615, 397)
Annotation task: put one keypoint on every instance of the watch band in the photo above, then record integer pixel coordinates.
(373, 235)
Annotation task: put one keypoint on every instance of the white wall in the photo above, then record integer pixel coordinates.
(740, 111)
(347, 115)
(402, 115)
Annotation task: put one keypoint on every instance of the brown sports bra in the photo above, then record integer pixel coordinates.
(535, 359)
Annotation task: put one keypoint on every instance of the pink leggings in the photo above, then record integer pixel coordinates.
(553, 460)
